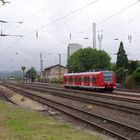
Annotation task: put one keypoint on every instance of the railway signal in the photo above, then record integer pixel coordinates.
(23, 69)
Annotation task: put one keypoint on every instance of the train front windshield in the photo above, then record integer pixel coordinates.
(108, 76)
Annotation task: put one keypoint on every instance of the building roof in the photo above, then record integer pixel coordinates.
(54, 66)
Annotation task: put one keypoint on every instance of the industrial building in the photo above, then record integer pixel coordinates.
(73, 48)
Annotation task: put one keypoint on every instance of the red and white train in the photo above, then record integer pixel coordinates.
(105, 80)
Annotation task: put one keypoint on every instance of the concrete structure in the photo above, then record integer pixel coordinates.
(94, 35)
(72, 48)
(54, 72)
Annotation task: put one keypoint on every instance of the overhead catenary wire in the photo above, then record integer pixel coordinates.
(28, 18)
(58, 19)
(119, 24)
(108, 18)
(122, 10)
(63, 17)
(69, 14)
(9, 46)
(34, 14)
(21, 22)
(117, 13)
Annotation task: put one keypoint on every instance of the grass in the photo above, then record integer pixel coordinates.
(19, 124)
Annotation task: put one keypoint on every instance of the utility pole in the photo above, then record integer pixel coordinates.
(94, 35)
(100, 38)
(130, 38)
(41, 65)
(59, 66)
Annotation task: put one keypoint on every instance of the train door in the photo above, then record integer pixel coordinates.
(73, 80)
(70, 80)
(90, 80)
(78, 80)
(94, 81)
(86, 81)
(82, 80)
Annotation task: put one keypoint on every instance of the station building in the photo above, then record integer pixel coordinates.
(54, 72)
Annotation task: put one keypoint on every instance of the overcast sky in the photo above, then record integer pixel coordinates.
(47, 24)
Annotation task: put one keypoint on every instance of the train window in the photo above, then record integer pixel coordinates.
(108, 76)
(78, 79)
(75, 79)
(70, 79)
(86, 79)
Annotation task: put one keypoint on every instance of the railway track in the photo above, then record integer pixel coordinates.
(128, 90)
(115, 90)
(114, 94)
(102, 95)
(131, 108)
(104, 124)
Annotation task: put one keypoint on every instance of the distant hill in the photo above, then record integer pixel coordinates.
(14, 74)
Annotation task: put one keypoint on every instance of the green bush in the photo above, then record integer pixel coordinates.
(120, 72)
(137, 75)
(55, 80)
(129, 82)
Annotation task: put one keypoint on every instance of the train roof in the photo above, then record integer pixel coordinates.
(85, 73)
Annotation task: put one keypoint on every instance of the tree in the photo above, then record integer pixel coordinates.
(112, 67)
(120, 72)
(104, 60)
(31, 74)
(88, 59)
(122, 60)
